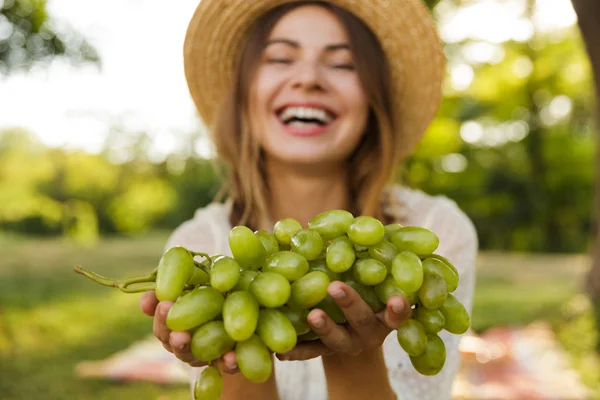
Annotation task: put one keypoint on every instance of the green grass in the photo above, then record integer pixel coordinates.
(51, 318)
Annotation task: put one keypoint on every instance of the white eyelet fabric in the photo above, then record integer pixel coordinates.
(208, 230)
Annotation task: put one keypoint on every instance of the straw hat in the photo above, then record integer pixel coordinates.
(405, 29)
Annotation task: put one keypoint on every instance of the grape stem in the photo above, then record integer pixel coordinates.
(202, 267)
(148, 282)
(208, 258)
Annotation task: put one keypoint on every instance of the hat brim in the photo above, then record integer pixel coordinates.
(405, 29)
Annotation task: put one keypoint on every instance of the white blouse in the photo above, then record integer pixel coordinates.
(208, 232)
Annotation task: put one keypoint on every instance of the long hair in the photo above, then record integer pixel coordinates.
(372, 164)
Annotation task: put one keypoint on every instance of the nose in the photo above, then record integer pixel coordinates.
(308, 77)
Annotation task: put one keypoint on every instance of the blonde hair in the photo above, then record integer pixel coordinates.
(371, 165)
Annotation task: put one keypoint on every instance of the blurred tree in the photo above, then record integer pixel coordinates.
(28, 36)
(515, 115)
(588, 14)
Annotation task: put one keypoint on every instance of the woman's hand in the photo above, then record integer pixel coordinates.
(178, 343)
(364, 330)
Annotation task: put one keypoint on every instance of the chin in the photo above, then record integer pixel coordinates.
(320, 159)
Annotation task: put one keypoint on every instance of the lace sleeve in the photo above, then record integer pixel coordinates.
(459, 243)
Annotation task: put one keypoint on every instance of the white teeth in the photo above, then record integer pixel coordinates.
(306, 113)
(301, 124)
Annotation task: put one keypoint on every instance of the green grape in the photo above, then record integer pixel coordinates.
(387, 289)
(407, 271)
(246, 248)
(340, 255)
(369, 272)
(321, 265)
(331, 224)
(246, 278)
(434, 291)
(384, 252)
(309, 290)
(198, 278)
(444, 260)
(412, 337)
(415, 239)
(195, 308)
(367, 293)
(276, 331)
(240, 315)
(362, 255)
(390, 229)
(284, 230)
(359, 248)
(225, 274)
(268, 241)
(209, 385)
(271, 289)
(175, 268)
(456, 315)
(433, 359)
(298, 319)
(366, 231)
(413, 298)
(332, 310)
(435, 266)
(254, 359)
(432, 320)
(307, 243)
(287, 263)
(211, 341)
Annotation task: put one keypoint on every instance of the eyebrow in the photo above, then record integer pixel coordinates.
(329, 48)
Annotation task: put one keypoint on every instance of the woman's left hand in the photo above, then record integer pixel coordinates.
(364, 329)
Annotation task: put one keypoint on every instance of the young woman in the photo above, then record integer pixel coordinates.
(313, 105)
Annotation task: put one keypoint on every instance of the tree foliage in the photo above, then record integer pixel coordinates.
(28, 36)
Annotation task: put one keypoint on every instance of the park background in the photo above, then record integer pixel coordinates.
(102, 154)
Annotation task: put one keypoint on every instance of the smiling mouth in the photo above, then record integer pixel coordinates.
(305, 117)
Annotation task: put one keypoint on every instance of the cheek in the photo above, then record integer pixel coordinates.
(258, 104)
(357, 108)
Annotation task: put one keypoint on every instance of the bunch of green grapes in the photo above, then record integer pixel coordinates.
(256, 302)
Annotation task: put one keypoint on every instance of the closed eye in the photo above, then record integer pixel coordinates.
(348, 67)
(279, 61)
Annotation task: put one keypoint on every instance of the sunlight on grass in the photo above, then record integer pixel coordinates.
(512, 304)
(53, 327)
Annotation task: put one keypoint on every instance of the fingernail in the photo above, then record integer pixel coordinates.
(319, 322)
(338, 294)
(398, 307)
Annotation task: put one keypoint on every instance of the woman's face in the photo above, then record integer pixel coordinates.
(307, 105)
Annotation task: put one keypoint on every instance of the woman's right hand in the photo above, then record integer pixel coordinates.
(178, 343)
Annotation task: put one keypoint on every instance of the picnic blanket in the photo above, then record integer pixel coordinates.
(504, 363)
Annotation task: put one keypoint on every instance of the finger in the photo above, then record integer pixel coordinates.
(148, 303)
(397, 311)
(332, 335)
(358, 313)
(159, 326)
(180, 345)
(306, 351)
(229, 363)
